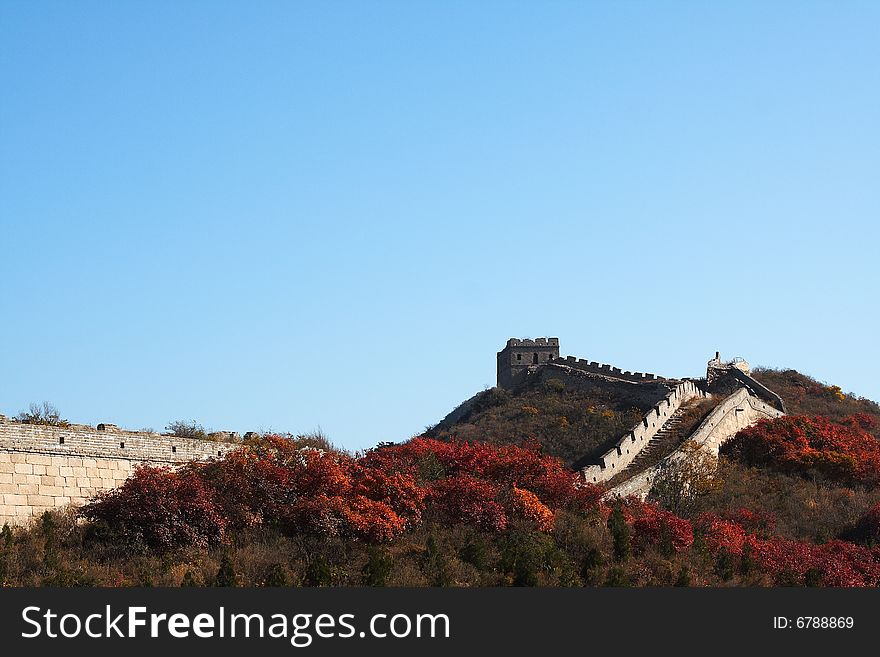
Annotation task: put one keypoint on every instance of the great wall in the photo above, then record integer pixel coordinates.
(44, 467)
(49, 467)
(742, 401)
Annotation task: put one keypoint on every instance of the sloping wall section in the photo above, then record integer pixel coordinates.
(738, 411)
(628, 447)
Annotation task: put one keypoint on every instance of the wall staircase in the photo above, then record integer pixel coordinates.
(664, 442)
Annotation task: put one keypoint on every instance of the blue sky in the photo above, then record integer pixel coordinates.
(290, 215)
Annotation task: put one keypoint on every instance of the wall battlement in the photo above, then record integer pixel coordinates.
(636, 439)
(607, 370)
(738, 410)
(48, 467)
(519, 357)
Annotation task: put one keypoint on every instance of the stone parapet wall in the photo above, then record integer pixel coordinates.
(628, 447)
(739, 410)
(606, 370)
(47, 467)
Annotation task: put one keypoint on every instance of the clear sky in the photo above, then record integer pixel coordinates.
(287, 215)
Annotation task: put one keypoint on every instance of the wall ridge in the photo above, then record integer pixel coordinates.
(636, 439)
(739, 410)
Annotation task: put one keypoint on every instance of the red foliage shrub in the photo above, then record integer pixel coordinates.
(399, 490)
(720, 534)
(161, 509)
(464, 498)
(655, 526)
(761, 523)
(527, 505)
(845, 453)
(836, 563)
(372, 520)
(506, 465)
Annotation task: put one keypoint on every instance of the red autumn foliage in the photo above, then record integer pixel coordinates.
(842, 452)
(399, 490)
(655, 526)
(375, 497)
(754, 522)
(386, 492)
(720, 534)
(836, 563)
(527, 505)
(464, 498)
(161, 509)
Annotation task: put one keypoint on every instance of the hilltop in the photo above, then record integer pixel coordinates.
(495, 495)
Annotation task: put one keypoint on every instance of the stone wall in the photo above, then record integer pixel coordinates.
(44, 467)
(519, 356)
(739, 410)
(628, 447)
(607, 370)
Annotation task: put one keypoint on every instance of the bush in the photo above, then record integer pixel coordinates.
(378, 567)
(187, 429)
(44, 413)
(160, 509)
(810, 446)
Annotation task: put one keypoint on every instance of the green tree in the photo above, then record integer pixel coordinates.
(318, 572)
(620, 533)
(226, 574)
(378, 567)
(435, 564)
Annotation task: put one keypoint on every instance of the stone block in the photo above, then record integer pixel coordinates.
(39, 469)
(8, 488)
(65, 471)
(38, 459)
(5, 477)
(13, 499)
(23, 468)
(17, 457)
(83, 482)
(79, 471)
(53, 491)
(90, 463)
(92, 472)
(52, 470)
(40, 500)
(62, 501)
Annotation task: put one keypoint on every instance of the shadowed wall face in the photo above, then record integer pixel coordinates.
(518, 355)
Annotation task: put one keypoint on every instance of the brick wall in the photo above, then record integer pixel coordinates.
(44, 468)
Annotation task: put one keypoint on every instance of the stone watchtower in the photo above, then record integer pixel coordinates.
(518, 356)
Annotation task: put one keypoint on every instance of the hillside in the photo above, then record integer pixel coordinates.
(804, 395)
(795, 502)
(571, 423)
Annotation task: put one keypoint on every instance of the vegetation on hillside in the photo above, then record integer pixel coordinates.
(803, 395)
(573, 425)
(793, 501)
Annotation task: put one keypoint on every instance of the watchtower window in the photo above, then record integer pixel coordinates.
(519, 356)
(535, 359)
